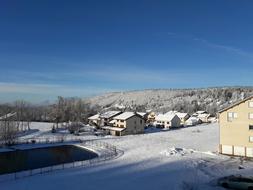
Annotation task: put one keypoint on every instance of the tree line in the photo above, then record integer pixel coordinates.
(17, 116)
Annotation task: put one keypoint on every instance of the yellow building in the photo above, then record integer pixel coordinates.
(151, 117)
(125, 124)
(236, 129)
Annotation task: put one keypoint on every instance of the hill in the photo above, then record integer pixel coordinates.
(162, 100)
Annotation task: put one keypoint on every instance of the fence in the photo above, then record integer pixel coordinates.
(104, 150)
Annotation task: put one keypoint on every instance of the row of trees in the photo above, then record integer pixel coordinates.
(23, 113)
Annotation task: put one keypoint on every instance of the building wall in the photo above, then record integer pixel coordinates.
(151, 117)
(134, 125)
(176, 122)
(235, 134)
(184, 119)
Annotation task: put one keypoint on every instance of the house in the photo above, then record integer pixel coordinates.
(167, 120)
(183, 117)
(9, 116)
(236, 128)
(144, 115)
(151, 117)
(107, 117)
(192, 121)
(202, 115)
(198, 113)
(125, 124)
(94, 120)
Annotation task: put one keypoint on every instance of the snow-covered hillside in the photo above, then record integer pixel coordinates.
(176, 159)
(189, 100)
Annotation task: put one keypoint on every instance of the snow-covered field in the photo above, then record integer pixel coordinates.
(177, 159)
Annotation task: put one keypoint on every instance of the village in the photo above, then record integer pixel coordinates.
(218, 140)
(119, 123)
(129, 95)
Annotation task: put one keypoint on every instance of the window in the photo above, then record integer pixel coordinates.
(251, 104)
(140, 121)
(232, 115)
(250, 127)
(121, 120)
(250, 115)
(168, 122)
(251, 139)
(122, 126)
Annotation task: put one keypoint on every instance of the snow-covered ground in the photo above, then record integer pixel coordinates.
(177, 159)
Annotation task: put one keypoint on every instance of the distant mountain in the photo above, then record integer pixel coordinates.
(163, 100)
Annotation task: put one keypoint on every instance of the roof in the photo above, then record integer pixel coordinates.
(126, 115)
(110, 114)
(204, 115)
(193, 119)
(165, 117)
(200, 112)
(7, 116)
(94, 117)
(171, 112)
(141, 113)
(113, 128)
(112, 121)
(181, 115)
(235, 104)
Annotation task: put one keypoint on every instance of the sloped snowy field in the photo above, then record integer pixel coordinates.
(175, 159)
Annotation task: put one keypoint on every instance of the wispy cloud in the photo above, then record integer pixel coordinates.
(118, 74)
(219, 46)
(226, 48)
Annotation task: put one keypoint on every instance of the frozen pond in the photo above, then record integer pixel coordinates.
(20, 160)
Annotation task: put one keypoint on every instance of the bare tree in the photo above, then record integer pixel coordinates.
(24, 114)
(8, 131)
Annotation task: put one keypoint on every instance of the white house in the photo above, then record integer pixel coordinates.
(107, 117)
(167, 120)
(192, 121)
(183, 117)
(94, 120)
(125, 124)
(202, 115)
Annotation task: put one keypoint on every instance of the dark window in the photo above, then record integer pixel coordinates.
(251, 127)
(141, 121)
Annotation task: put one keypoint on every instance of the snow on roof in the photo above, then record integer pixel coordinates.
(125, 115)
(193, 119)
(113, 128)
(165, 117)
(141, 113)
(7, 116)
(112, 121)
(94, 117)
(200, 112)
(235, 104)
(119, 106)
(204, 115)
(109, 114)
(171, 112)
(181, 115)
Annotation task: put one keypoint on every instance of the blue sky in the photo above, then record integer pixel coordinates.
(84, 48)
